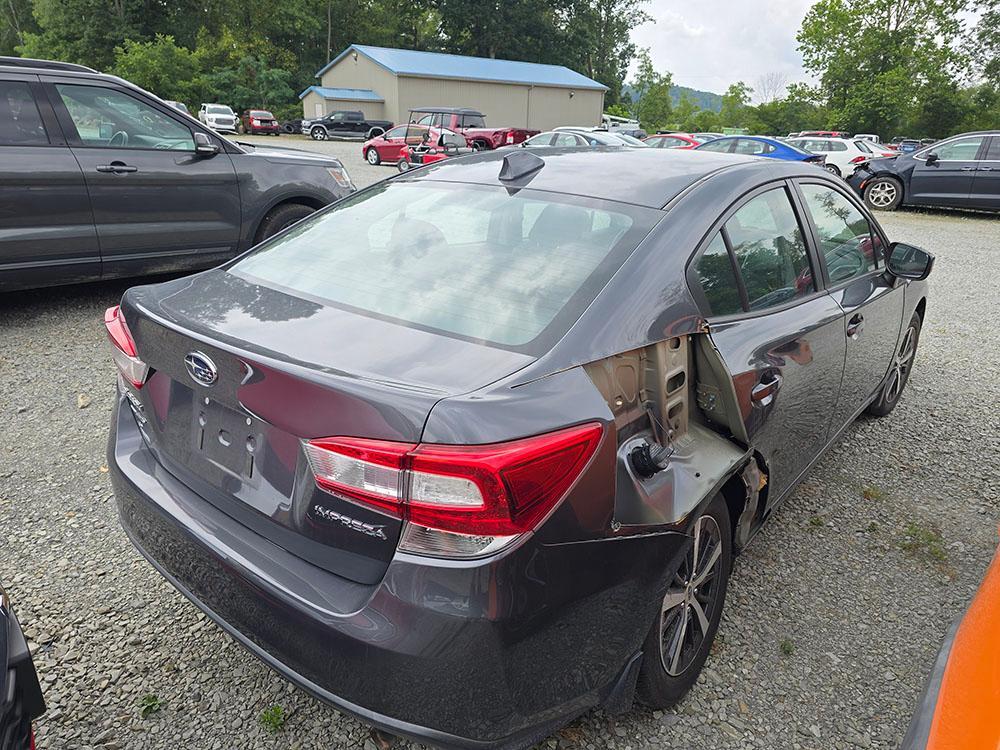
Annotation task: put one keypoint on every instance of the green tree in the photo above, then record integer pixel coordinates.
(874, 56)
(685, 112)
(653, 104)
(735, 105)
(159, 66)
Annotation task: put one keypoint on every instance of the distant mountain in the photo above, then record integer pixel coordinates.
(704, 99)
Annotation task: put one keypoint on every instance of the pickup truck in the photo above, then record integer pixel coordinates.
(344, 123)
(472, 125)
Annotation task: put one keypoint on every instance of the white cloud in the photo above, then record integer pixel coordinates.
(713, 43)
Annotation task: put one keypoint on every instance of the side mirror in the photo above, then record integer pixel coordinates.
(932, 158)
(205, 146)
(909, 262)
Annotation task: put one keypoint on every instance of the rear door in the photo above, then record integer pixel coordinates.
(158, 206)
(948, 180)
(47, 231)
(780, 335)
(851, 252)
(986, 186)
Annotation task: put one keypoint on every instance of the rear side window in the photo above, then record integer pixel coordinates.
(993, 153)
(770, 250)
(470, 261)
(473, 121)
(719, 146)
(20, 123)
(764, 241)
(752, 148)
(715, 274)
(849, 246)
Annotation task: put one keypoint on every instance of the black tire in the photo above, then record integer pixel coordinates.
(372, 157)
(279, 218)
(403, 165)
(832, 169)
(318, 134)
(287, 127)
(479, 146)
(688, 611)
(899, 371)
(884, 194)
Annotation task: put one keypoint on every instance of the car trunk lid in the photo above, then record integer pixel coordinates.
(243, 374)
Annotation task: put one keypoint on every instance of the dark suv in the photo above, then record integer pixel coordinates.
(99, 179)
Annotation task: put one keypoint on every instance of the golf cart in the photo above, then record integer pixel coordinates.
(426, 143)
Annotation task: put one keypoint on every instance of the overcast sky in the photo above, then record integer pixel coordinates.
(709, 44)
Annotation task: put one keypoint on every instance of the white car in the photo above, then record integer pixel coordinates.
(219, 117)
(842, 154)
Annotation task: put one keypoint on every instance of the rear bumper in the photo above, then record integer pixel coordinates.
(481, 654)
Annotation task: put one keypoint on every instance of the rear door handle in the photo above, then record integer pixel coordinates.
(117, 167)
(855, 325)
(764, 391)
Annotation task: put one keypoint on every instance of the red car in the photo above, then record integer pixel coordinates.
(672, 140)
(259, 122)
(388, 147)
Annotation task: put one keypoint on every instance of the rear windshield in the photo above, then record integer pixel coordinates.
(471, 261)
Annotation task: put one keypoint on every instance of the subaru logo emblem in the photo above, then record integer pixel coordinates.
(201, 369)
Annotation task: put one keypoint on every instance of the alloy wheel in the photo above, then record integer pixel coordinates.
(882, 194)
(692, 599)
(901, 365)
(372, 156)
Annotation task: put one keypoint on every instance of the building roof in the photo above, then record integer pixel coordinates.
(404, 62)
(350, 95)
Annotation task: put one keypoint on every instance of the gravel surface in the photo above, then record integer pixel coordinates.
(834, 617)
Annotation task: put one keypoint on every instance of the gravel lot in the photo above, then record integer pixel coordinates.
(835, 613)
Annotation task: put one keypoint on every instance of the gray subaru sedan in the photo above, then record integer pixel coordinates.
(469, 452)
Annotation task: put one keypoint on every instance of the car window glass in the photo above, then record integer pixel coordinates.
(112, 119)
(474, 121)
(770, 250)
(566, 139)
(846, 239)
(544, 139)
(474, 261)
(752, 147)
(20, 123)
(718, 145)
(963, 149)
(396, 132)
(838, 146)
(715, 273)
(993, 153)
(356, 116)
(862, 146)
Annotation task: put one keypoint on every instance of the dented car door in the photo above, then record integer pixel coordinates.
(780, 338)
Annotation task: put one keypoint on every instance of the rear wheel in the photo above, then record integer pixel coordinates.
(403, 165)
(682, 633)
(832, 169)
(884, 194)
(281, 217)
(372, 157)
(479, 146)
(318, 134)
(899, 372)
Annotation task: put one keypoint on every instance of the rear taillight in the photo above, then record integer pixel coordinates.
(457, 500)
(123, 352)
(858, 159)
